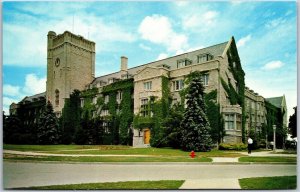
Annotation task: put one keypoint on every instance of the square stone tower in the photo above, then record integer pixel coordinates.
(70, 65)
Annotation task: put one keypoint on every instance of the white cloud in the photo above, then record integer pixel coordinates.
(275, 22)
(182, 3)
(208, 19)
(210, 16)
(145, 47)
(34, 84)
(243, 41)
(162, 56)
(10, 90)
(273, 65)
(31, 49)
(158, 29)
(236, 2)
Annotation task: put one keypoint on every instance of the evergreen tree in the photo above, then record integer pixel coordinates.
(71, 117)
(195, 125)
(171, 127)
(293, 123)
(11, 129)
(48, 129)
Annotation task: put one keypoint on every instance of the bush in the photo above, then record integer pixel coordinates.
(232, 146)
(290, 144)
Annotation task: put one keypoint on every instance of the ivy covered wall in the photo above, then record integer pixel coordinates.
(236, 96)
(275, 117)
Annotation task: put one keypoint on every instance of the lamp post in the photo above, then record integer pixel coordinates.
(274, 138)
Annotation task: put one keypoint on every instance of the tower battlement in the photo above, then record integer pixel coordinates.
(68, 37)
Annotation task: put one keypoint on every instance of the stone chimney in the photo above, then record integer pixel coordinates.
(124, 62)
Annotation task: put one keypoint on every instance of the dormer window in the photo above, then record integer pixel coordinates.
(183, 63)
(204, 57)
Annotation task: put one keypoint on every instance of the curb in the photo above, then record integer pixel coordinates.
(153, 163)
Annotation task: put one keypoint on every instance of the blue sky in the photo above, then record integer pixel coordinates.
(265, 33)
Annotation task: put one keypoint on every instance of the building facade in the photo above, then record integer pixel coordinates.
(71, 65)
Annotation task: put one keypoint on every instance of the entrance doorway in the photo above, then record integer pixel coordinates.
(147, 136)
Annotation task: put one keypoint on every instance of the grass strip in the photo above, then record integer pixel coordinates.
(107, 159)
(129, 185)
(282, 182)
(115, 150)
(269, 159)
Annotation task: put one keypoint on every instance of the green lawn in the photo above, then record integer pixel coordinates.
(269, 159)
(165, 184)
(108, 159)
(284, 182)
(115, 150)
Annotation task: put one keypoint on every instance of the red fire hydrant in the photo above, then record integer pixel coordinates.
(192, 154)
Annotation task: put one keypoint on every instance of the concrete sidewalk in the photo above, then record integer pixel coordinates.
(211, 184)
(225, 159)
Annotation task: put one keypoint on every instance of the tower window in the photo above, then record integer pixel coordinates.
(56, 97)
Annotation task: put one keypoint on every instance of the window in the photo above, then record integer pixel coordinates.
(238, 122)
(119, 95)
(233, 64)
(252, 105)
(204, 57)
(183, 62)
(104, 112)
(229, 121)
(94, 100)
(205, 78)
(178, 85)
(81, 102)
(106, 99)
(144, 107)
(105, 126)
(110, 81)
(148, 85)
(56, 97)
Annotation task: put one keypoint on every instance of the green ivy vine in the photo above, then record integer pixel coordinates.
(239, 75)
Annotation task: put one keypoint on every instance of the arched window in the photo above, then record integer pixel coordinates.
(56, 97)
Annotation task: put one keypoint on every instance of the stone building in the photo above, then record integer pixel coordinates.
(255, 110)
(71, 65)
(280, 103)
(29, 109)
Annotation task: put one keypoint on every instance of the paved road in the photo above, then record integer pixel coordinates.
(20, 174)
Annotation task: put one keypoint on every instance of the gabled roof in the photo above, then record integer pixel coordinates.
(33, 97)
(276, 101)
(215, 50)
